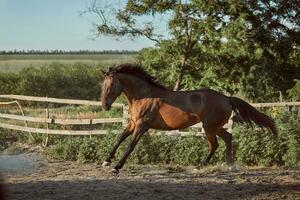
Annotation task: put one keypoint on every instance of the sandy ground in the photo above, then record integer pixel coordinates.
(38, 178)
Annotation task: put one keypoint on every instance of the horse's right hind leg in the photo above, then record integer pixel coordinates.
(227, 137)
(212, 144)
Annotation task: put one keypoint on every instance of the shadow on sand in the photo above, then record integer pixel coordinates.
(116, 188)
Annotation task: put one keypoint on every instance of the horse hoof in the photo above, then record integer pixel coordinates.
(204, 163)
(115, 171)
(106, 164)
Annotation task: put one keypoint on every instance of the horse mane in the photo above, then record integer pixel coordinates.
(137, 71)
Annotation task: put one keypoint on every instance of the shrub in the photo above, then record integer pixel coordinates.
(258, 147)
(79, 81)
(251, 147)
(294, 92)
(88, 150)
(66, 149)
(8, 138)
(9, 83)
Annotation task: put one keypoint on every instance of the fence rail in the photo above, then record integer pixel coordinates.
(62, 121)
(98, 103)
(56, 100)
(52, 120)
(52, 131)
(276, 104)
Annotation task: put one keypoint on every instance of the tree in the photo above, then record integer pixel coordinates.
(183, 29)
(294, 92)
(245, 47)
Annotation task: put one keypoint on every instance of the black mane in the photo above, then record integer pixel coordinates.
(137, 71)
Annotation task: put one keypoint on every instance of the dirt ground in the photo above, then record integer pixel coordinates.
(71, 180)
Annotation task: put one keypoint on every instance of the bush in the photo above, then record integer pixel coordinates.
(66, 149)
(291, 131)
(256, 147)
(79, 81)
(251, 147)
(7, 138)
(88, 150)
(9, 83)
(294, 92)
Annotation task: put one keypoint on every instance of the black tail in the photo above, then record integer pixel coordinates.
(249, 114)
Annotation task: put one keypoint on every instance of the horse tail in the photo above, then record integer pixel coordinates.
(249, 114)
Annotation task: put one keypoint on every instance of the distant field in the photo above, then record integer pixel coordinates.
(14, 63)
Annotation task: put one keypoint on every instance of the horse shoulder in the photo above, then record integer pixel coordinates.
(145, 109)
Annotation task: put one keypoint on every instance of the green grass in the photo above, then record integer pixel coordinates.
(14, 63)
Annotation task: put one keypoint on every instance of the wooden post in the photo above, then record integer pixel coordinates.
(230, 123)
(90, 127)
(298, 114)
(202, 129)
(47, 127)
(125, 115)
(25, 122)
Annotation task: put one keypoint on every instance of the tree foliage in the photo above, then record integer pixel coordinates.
(294, 92)
(245, 47)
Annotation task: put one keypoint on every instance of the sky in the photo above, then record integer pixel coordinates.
(54, 24)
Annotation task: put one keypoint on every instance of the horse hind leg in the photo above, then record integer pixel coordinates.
(227, 137)
(212, 144)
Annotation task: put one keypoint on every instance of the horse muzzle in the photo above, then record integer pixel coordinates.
(106, 106)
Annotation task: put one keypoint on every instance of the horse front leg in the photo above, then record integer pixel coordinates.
(139, 130)
(127, 131)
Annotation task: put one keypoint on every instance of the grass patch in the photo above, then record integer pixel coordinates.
(15, 63)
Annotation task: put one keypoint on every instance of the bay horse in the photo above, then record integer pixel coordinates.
(153, 106)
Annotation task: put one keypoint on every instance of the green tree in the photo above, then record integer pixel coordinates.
(246, 47)
(294, 92)
(182, 25)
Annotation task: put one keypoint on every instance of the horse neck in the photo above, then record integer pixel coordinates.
(135, 88)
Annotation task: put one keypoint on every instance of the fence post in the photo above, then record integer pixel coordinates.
(25, 122)
(47, 127)
(125, 115)
(90, 128)
(230, 123)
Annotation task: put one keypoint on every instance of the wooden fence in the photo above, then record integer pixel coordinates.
(53, 120)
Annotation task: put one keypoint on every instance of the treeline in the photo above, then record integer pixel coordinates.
(56, 51)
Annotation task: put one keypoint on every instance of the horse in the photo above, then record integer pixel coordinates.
(153, 106)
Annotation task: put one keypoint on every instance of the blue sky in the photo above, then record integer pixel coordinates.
(54, 24)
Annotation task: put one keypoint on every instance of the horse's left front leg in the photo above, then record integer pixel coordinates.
(139, 130)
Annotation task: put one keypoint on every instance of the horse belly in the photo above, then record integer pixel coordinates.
(171, 118)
